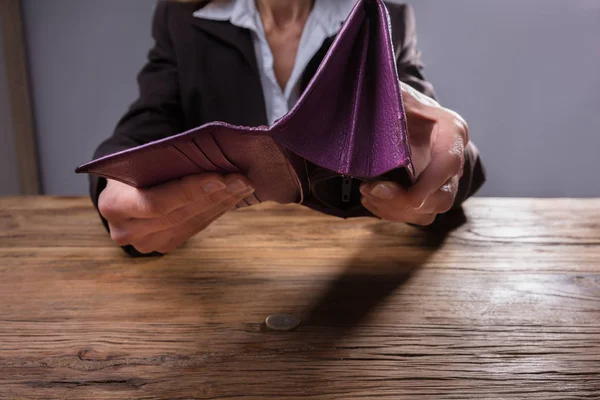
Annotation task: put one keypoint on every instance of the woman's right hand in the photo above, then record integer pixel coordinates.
(164, 216)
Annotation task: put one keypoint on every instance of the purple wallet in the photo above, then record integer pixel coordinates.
(348, 126)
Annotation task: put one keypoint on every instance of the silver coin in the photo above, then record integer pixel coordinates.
(282, 322)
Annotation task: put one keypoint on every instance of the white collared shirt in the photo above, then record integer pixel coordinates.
(324, 21)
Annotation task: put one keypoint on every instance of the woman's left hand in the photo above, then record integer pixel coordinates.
(438, 138)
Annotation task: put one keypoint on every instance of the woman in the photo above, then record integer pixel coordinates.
(246, 62)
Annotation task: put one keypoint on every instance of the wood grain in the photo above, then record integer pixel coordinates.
(505, 305)
(17, 76)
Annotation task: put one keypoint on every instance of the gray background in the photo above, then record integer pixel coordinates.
(524, 73)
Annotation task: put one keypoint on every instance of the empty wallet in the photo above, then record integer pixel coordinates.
(348, 126)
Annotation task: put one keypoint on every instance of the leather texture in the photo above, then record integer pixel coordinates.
(349, 125)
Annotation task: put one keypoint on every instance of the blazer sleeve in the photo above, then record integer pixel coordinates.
(410, 71)
(157, 113)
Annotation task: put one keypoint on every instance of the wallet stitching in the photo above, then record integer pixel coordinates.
(227, 160)
(197, 152)
(217, 168)
(182, 154)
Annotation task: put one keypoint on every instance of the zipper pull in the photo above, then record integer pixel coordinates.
(346, 188)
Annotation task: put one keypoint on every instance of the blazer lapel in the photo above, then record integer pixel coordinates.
(236, 37)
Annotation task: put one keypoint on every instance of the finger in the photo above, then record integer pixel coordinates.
(125, 229)
(419, 219)
(216, 204)
(120, 201)
(372, 207)
(168, 240)
(163, 199)
(218, 200)
(116, 200)
(167, 198)
(442, 200)
(386, 193)
(393, 210)
(192, 229)
(137, 230)
(410, 217)
(447, 159)
(123, 235)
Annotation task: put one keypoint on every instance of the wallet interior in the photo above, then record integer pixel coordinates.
(342, 192)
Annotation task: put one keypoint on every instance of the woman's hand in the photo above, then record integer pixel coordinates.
(438, 137)
(163, 217)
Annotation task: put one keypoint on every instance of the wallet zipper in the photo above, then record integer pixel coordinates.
(346, 188)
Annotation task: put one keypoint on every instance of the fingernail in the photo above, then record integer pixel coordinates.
(383, 191)
(212, 187)
(236, 186)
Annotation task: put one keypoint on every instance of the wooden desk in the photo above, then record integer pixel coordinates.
(506, 306)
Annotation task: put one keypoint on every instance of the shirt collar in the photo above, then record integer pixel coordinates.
(330, 14)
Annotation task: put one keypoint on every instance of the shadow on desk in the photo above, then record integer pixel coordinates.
(368, 280)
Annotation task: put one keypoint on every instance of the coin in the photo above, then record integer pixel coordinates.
(282, 322)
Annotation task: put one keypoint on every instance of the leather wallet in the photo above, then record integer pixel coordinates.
(348, 126)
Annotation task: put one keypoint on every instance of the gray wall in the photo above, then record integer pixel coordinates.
(523, 72)
(9, 183)
(526, 76)
(84, 56)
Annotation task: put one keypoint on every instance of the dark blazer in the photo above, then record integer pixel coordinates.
(200, 71)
